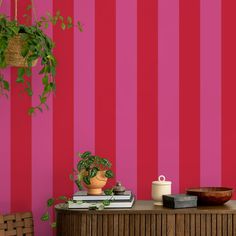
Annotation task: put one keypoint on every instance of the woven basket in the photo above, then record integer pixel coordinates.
(13, 53)
(19, 224)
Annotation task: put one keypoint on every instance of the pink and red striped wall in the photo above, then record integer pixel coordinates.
(149, 84)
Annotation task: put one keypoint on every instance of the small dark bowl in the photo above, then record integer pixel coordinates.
(211, 195)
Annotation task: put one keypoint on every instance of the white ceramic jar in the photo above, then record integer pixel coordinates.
(159, 188)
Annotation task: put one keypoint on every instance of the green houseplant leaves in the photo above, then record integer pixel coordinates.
(37, 45)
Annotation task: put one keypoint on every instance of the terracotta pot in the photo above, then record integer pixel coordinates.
(97, 183)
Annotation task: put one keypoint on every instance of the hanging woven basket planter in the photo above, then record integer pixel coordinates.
(22, 45)
(13, 53)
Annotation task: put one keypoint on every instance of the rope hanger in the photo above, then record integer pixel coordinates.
(16, 9)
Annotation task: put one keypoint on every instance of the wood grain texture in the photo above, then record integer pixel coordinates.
(209, 221)
(179, 224)
(213, 225)
(127, 225)
(198, 225)
(116, 225)
(99, 226)
(104, 225)
(170, 225)
(110, 225)
(158, 225)
(230, 228)
(142, 225)
(132, 225)
(163, 224)
(192, 224)
(203, 225)
(224, 225)
(153, 225)
(94, 225)
(137, 224)
(187, 225)
(121, 224)
(208, 225)
(219, 224)
(234, 224)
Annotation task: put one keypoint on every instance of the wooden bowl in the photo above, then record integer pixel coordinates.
(211, 195)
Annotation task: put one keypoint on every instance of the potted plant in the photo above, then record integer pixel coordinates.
(21, 46)
(92, 172)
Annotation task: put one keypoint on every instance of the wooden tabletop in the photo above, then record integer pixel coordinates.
(147, 207)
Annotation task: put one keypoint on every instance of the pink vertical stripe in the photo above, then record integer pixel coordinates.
(126, 93)
(5, 148)
(168, 91)
(41, 143)
(210, 92)
(84, 77)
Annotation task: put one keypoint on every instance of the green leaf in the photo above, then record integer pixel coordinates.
(29, 91)
(31, 111)
(63, 26)
(6, 85)
(50, 202)
(93, 207)
(21, 72)
(86, 180)
(105, 162)
(85, 154)
(63, 198)
(109, 174)
(24, 51)
(20, 80)
(28, 72)
(54, 225)
(45, 217)
(108, 192)
(93, 172)
(69, 19)
(80, 165)
(45, 80)
(46, 25)
(106, 202)
(79, 185)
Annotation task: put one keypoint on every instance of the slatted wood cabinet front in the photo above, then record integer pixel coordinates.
(144, 219)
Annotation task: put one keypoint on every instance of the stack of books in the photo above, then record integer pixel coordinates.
(82, 200)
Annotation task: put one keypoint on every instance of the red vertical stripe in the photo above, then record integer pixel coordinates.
(105, 86)
(189, 93)
(63, 104)
(20, 136)
(147, 96)
(228, 93)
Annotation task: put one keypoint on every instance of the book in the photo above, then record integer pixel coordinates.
(82, 196)
(98, 204)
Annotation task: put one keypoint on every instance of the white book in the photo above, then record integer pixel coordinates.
(87, 205)
(82, 196)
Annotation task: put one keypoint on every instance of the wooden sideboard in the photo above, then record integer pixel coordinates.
(149, 220)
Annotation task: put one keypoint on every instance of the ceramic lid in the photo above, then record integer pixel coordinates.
(161, 181)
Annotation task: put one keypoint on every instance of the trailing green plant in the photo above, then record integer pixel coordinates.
(89, 164)
(37, 45)
(88, 167)
(51, 202)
